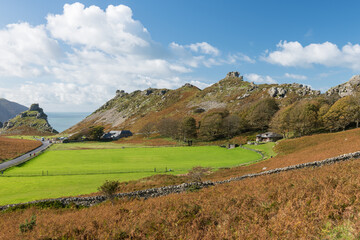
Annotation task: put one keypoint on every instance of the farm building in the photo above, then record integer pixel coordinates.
(268, 137)
(115, 135)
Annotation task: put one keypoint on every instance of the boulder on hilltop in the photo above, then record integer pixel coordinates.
(346, 89)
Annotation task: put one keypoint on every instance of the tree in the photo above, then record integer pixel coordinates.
(304, 117)
(355, 108)
(281, 121)
(188, 128)
(211, 125)
(231, 125)
(261, 113)
(147, 129)
(95, 132)
(168, 128)
(339, 115)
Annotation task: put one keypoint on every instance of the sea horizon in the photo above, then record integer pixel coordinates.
(61, 121)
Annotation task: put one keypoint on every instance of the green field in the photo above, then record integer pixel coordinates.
(74, 172)
(266, 149)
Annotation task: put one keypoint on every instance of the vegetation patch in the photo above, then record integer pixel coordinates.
(73, 172)
(11, 148)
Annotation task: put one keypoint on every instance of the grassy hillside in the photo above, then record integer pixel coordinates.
(31, 122)
(11, 148)
(134, 110)
(320, 203)
(74, 172)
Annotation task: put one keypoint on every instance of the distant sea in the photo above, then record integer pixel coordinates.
(61, 121)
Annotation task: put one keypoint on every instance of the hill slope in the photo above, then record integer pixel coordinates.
(319, 203)
(133, 110)
(9, 109)
(30, 122)
(11, 148)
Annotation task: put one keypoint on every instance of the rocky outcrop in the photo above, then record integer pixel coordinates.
(34, 118)
(233, 74)
(35, 107)
(347, 88)
(277, 92)
(282, 90)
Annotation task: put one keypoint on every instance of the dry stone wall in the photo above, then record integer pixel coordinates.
(162, 191)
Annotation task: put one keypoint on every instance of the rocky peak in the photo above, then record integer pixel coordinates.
(188, 85)
(233, 74)
(120, 93)
(346, 89)
(35, 107)
(34, 118)
(355, 80)
(148, 91)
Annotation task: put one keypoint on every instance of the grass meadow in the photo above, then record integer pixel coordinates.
(311, 203)
(59, 173)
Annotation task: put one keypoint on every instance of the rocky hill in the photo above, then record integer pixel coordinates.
(133, 110)
(33, 122)
(346, 89)
(9, 110)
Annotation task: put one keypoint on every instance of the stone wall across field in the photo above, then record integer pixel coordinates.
(162, 191)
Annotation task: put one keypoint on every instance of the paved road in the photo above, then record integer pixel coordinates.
(24, 157)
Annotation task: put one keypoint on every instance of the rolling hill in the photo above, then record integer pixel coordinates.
(9, 109)
(30, 122)
(134, 110)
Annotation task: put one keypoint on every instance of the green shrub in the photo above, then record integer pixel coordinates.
(28, 225)
(109, 189)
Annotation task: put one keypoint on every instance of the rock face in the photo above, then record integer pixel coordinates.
(277, 92)
(233, 74)
(282, 90)
(347, 88)
(31, 120)
(35, 107)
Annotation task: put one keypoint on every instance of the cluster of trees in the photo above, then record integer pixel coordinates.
(184, 129)
(215, 125)
(298, 118)
(92, 133)
(317, 115)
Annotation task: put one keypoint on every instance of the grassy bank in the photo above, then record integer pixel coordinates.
(73, 172)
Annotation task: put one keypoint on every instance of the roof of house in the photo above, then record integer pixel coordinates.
(114, 134)
(269, 135)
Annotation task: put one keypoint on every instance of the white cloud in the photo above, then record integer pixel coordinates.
(86, 53)
(253, 77)
(26, 50)
(199, 84)
(233, 58)
(204, 47)
(327, 54)
(295, 76)
(112, 31)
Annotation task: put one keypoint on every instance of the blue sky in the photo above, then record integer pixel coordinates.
(73, 57)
